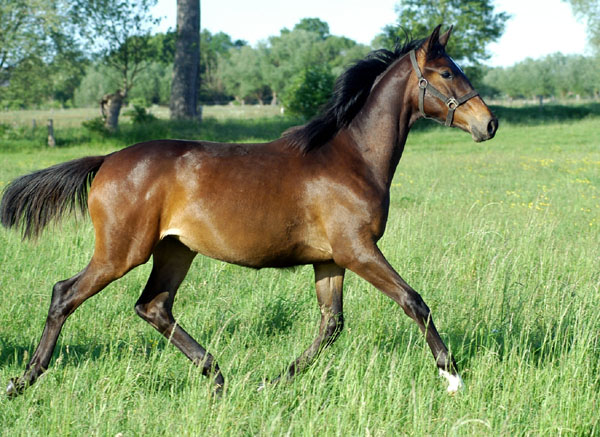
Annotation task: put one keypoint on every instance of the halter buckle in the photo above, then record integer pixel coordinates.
(423, 83)
(452, 103)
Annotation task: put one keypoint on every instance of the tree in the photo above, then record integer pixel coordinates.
(214, 49)
(589, 11)
(555, 75)
(475, 26)
(309, 91)
(287, 55)
(243, 75)
(66, 69)
(314, 25)
(118, 31)
(37, 53)
(25, 26)
(184, 88)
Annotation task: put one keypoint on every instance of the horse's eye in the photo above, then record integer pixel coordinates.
(447, 75)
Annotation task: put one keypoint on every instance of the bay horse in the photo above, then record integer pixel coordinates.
(318, 195)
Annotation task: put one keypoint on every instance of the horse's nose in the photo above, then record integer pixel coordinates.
(492, 127)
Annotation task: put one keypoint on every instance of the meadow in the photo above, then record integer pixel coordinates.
(500, 238)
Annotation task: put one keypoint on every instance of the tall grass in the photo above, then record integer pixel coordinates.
(501, 239)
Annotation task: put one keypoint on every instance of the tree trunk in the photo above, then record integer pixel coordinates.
(110, 106)
(51, 139)
(184, 88)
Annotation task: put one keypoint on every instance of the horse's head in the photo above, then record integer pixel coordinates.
(443, 92)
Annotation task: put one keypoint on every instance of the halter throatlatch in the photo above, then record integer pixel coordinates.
(451, 102)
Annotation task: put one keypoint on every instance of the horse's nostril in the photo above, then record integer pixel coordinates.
(492, 127)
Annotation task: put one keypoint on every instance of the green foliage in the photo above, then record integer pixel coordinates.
(25, 29)
(98, 80)
(589, 12)
(39, 59)
(242, 75)
(30, 84)
(161, 48)
(96, 126)
(139, 115)
(309, 91)
(119, 32)
(476, 24)
(314, 25)
(67, 70)
(153, 86)
(215, 49)
(554, 75)
(286, 55)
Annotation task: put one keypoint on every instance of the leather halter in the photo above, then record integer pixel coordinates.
(451, 102)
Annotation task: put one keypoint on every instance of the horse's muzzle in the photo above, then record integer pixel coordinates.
(484, 131)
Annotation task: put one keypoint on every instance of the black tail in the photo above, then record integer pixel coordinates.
(32, 201)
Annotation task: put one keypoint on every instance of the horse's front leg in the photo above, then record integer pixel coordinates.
(367, 261)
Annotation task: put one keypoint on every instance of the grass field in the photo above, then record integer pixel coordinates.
(501, 239)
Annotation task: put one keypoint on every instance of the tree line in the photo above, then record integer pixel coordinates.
(49, 47)
(553, 76)
(67, 53)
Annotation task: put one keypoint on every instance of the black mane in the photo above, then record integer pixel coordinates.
(349, 95)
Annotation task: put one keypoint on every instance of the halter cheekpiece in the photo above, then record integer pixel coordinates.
(451, 102)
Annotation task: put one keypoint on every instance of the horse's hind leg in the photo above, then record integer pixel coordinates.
(329, 280)
(67, 295)
(171, 262)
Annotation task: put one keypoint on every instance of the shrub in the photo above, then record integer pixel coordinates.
(309, 91)
(95, 125)
(139, 115)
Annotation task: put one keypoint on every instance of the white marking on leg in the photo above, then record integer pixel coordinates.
(455, 382)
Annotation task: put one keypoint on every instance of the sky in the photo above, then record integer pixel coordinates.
(527, 33)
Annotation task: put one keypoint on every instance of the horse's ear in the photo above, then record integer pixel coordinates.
(433, 38)
(445, 37)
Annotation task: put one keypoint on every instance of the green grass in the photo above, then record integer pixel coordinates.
(500, 238)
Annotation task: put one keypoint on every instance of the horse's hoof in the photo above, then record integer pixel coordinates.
(455, 382)
(217, 392)
(263, 385)
(14, 388)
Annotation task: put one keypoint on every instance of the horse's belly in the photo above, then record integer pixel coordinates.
(253, 246)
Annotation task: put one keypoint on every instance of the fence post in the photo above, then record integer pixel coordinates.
(51, 139)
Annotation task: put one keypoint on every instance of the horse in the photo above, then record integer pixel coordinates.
(319, 194)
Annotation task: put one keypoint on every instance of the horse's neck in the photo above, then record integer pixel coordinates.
(381, 127)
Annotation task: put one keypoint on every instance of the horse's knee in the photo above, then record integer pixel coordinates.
(414, 306)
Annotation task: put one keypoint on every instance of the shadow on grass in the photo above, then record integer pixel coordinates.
(210, 129)
(535, 115)
(76, 353)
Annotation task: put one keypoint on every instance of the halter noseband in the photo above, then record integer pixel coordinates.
(451, 102)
